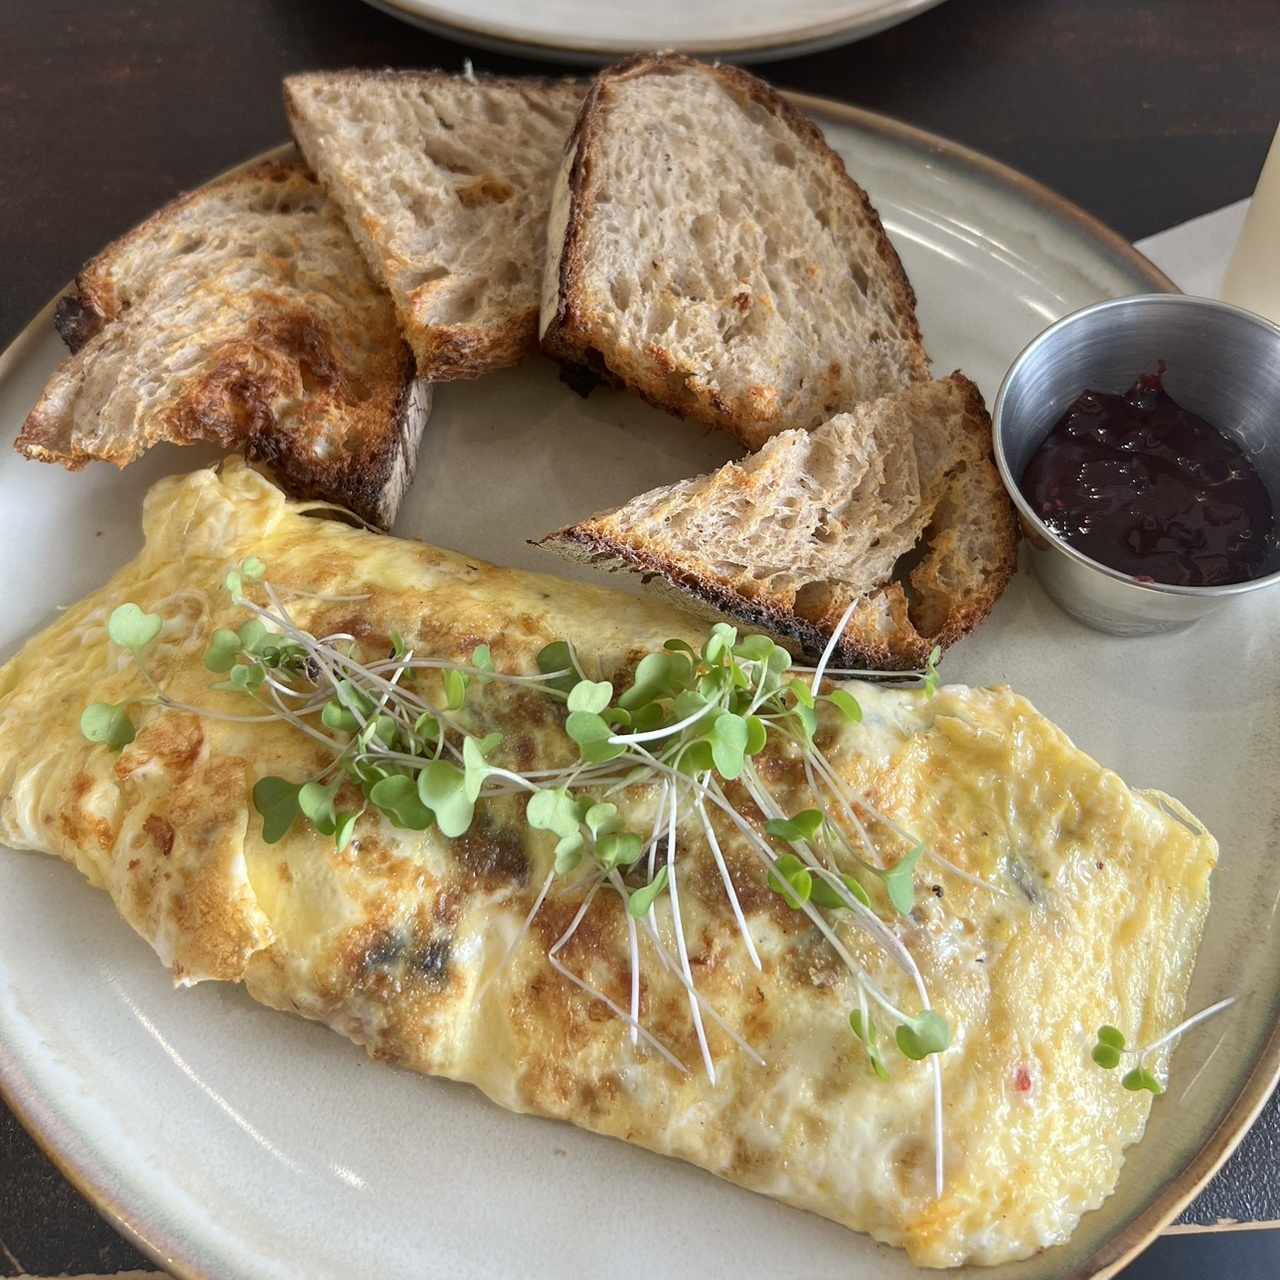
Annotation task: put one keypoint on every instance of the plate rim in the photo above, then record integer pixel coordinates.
(1115, 1252)
(846, 27)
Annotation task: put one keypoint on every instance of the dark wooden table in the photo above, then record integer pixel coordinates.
(1144, 113)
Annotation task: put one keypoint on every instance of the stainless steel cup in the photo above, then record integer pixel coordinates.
(1223, 363)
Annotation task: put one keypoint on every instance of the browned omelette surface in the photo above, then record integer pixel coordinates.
(1091, 909)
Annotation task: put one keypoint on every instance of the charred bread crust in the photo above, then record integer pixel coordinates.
(866, 641)
(76, 321)
(569, 337)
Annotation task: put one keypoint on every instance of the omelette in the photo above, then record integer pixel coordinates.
(697, 956)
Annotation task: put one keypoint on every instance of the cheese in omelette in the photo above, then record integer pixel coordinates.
(1082, 903)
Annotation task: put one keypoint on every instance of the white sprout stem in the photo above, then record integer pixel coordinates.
(831, 646)
(865, 916)
(939, 1170)
(300, 724)
(673, 892)
(554, 957)
(669, 963)
(1186, 1025)
(652, 735)
(442, 664)
(730, 892)
(657, 828)
(765, 854)
(633, 947)
(520, 933)
(844, 794)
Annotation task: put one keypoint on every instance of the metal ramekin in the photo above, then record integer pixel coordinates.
(1223, 363)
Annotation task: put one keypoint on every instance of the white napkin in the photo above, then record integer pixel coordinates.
(1194, 255)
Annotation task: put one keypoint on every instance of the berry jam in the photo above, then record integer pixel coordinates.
(1140, 484)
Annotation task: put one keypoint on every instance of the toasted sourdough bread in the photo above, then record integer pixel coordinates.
(241, 314)
(445, 182)
(707, 249)
(792, 535)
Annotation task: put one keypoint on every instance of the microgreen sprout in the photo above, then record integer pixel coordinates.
(411, 751)
(1111, 1048)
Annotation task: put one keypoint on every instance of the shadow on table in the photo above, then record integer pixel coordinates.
(1231, 1255)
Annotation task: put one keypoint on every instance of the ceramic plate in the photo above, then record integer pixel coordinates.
(591, 31)
(235, 1142)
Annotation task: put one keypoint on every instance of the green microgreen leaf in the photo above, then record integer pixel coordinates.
(355, 700)
(130, 628)
(253, 569)
(680, 646)
(931, 678)
(233, 583)
(641, 900)
(801, 693)
(399, 649)
(728, 736)
(276, 799)
(899, 881)
(1107, 1056)
(455, 688)
(316, 803)
(107, 723)
(336, 716)
(397, 797)
(344, 829)
(826, 895)
(242, 678)
(224, 647)
(928, 1033)
(865, 1030)
(557, 656)
(252, 635)
(482, 657)
(442, 787)
(590, 695)
(553, 809)
(696, 758)
(617, 718)
(1112, 1036)
(721, 640)
(569, 853)
(658, 675)
(601, 819)
(475, 767)
(792, 879)
(1141, 1078)
(650, 716)
(756, 648)
(757, 735)
(803, 826)
(618, 849)
(846, 703)
(427, 727)
(592, 733)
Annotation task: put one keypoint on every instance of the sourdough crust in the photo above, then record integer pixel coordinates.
(442, 352)
(569, 335)
(229, 403)
(881, 632)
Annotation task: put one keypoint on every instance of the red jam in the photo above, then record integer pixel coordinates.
(1140, 484)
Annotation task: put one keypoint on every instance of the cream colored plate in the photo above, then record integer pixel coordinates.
(235, 1142)
(596, 31)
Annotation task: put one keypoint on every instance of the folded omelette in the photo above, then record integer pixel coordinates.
(1049, 898)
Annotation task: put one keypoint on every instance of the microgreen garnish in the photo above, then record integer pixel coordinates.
(931, 677)
(103, 722)
(692, 719)
(1111, 1047)
(276, 799)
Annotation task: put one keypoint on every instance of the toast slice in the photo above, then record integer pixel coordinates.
(896, 506)
(445, 182)
(707, 249)
(242, 315)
